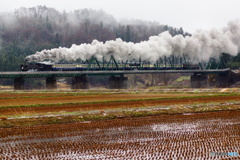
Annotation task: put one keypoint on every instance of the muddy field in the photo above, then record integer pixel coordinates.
(47, 109)
(120, 125)
(45, 103)
(187, 136)
(36, 98)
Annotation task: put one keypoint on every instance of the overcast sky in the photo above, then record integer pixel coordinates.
(189, 14)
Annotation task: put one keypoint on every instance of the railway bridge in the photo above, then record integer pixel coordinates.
(117, 78)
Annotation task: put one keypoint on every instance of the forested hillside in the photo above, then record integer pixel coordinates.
(28, 30)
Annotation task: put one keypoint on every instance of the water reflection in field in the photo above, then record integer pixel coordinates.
(189, 136)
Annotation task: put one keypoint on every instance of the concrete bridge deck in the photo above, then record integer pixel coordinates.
(199, 78)
(39, 74)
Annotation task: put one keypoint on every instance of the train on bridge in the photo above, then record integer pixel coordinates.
(93, 64)
(46, 66)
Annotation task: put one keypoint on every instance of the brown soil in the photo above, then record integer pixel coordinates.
(60, 98)
(191, 136)
(179, 136)
(78, 98)
(102, 102)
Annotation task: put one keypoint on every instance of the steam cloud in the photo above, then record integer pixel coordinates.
(201, 46)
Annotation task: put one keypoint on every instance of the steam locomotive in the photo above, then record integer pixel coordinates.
(47, 66)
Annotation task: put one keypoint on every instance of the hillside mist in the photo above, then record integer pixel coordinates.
(29, 30)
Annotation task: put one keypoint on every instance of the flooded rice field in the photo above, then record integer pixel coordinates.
(212, 135)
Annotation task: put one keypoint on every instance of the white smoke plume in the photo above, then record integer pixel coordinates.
(202, 45)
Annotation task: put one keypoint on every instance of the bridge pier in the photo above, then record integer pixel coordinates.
(223, 79)
(19, 83)
(118, 82)
(213, 80)
(203, 80)
(51, 82)
(80, 82)
(199, 80)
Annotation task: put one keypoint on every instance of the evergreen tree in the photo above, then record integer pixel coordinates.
(37, 28)
(128, 34)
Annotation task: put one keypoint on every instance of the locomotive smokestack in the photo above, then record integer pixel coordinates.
(201, 46)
